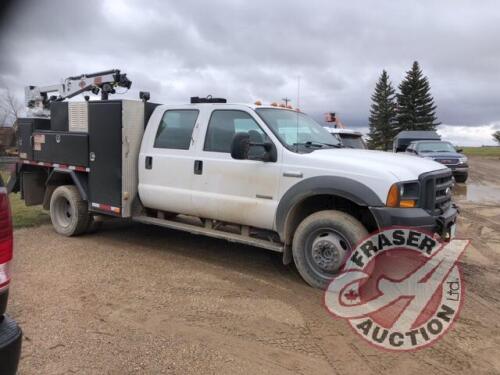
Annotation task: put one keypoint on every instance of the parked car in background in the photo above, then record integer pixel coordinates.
(348, 137)
(444, 153)
(10, 333)
(404, 138)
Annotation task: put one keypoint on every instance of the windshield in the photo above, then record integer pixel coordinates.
(296, 131)
(435, 147)
(352, 141)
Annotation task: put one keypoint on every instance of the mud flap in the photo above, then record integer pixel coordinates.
(287, 255)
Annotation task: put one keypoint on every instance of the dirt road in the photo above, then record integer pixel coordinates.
(138, 299)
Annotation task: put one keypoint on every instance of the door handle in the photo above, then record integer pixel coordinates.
(198, 166)
(149, 162)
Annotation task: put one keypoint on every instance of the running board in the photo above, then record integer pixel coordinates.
(199, 230)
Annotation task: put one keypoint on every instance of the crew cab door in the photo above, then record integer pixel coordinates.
(237, 191)
(166, 160)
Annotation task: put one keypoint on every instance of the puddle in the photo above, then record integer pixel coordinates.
(476, 193)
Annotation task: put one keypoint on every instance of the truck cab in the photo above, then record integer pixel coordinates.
(273, 168)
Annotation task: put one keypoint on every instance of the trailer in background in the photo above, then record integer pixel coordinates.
(404, 138)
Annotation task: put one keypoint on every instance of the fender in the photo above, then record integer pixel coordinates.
(60, 176)
(343, 187)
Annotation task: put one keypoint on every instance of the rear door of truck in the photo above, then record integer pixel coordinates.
(167, 159)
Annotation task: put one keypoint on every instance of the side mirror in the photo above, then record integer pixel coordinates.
(241, 145)
(460, 150)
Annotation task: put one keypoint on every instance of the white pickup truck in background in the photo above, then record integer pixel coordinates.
(259, 175)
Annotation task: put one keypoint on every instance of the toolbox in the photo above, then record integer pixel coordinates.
(61, 148)
(25, 129)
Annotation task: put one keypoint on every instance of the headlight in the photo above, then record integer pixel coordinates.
(462, 160)
(403, 194)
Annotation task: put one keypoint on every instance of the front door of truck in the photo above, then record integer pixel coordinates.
(166, 162)
(236, 191)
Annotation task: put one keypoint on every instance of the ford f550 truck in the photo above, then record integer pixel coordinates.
(259, 175)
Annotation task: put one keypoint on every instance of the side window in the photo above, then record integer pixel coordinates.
(224, 124)
(176, 129)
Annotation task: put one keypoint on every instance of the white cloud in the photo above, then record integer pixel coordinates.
(469, 135)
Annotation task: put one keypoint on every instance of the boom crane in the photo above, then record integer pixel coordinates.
(38, 100)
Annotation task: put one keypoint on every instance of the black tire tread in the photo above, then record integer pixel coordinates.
(347, 224)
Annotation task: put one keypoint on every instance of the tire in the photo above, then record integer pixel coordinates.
(461, 178)
(322, 244)
(68, 212)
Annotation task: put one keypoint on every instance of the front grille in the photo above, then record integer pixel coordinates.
(447, 161)
(435, 193)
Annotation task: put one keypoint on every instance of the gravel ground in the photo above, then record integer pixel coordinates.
(139, 299)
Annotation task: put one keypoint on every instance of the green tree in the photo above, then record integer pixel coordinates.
(416, 108)
(382, 118)
(496, 136)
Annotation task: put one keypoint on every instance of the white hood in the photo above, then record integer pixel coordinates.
(402, 166)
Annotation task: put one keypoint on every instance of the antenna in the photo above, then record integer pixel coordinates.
(297, 110)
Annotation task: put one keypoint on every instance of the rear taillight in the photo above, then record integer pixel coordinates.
(6, 239)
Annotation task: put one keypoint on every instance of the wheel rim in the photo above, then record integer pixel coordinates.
(326, 251)
(63, 212)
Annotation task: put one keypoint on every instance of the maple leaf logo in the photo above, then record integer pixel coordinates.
(351, 295)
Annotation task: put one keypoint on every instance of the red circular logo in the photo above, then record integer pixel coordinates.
(400, 290)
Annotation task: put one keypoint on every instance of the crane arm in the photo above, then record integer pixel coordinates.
(37, 97)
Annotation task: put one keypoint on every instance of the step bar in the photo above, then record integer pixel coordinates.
(207, 230)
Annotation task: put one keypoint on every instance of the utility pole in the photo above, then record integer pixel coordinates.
(286, 100)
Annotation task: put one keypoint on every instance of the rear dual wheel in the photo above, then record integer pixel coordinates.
(322, 244)
(69, 212)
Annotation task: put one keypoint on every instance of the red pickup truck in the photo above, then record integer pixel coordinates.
(10, 333)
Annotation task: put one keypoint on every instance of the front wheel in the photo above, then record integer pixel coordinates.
(322, 244)
(68, 212)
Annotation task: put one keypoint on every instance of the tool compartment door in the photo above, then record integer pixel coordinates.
(105, 153)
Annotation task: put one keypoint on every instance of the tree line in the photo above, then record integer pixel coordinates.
(412, 108)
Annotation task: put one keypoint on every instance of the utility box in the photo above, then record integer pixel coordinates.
(103, 136)
(115, 129)
(59, 116)
(61, 148)
(25, 129)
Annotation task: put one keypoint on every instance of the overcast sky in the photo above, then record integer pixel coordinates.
(248, 50)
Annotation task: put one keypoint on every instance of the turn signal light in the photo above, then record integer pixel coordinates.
(408, 203)
(393, 196)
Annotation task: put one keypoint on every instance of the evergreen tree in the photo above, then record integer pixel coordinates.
(382, 118)
(496, 136)
(416, 109)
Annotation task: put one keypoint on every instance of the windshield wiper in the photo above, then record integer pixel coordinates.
(316, 144)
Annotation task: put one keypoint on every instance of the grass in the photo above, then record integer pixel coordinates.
(482, 151)
(23, 216)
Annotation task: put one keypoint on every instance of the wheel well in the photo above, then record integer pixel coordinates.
(317, 203)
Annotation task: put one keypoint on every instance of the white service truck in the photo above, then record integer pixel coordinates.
(259, 175)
